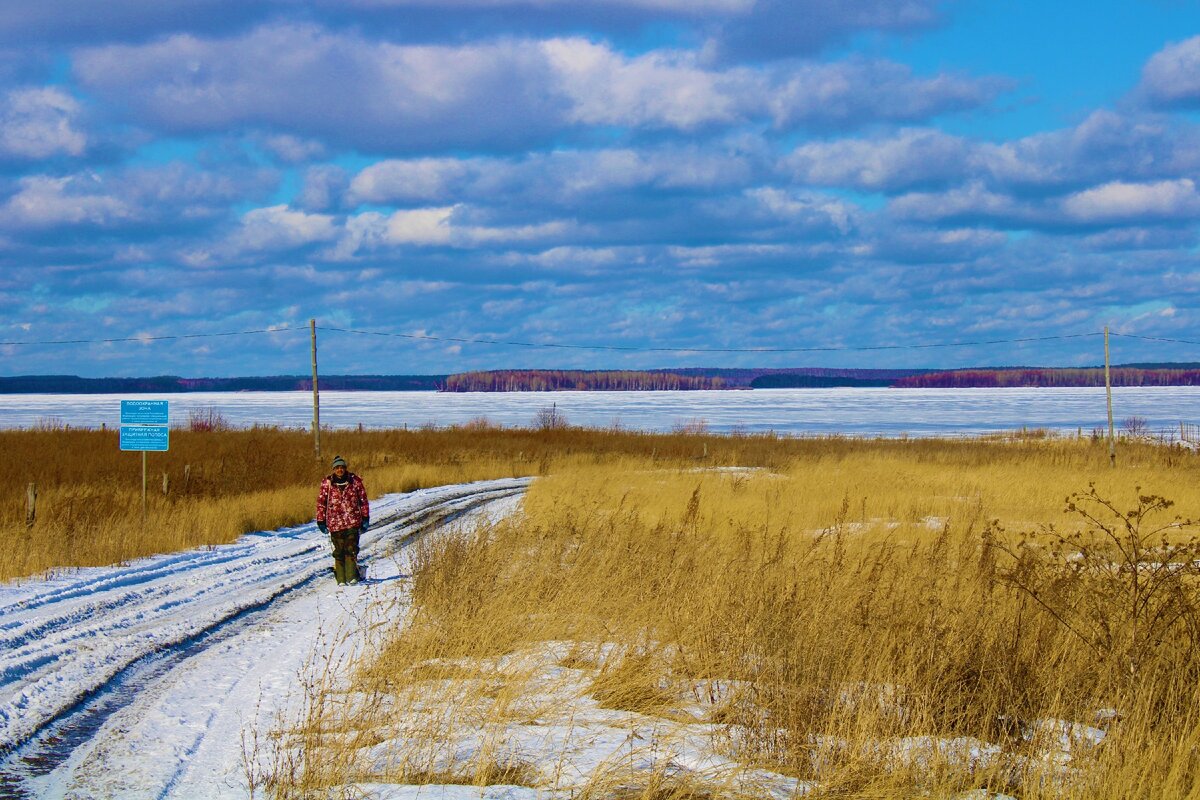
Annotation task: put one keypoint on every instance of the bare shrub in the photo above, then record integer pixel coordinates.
(207, 420)
(691, 427)
(1135, 427)
(549, 419)
(1125, 585)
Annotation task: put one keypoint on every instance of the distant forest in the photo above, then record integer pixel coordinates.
(171, 384)
(685, 379)
(535, 380)
(692, 378)
(574, 380)
(1034, 377)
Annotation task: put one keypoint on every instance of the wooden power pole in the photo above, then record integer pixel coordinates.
(312, 326)
(1112, 446)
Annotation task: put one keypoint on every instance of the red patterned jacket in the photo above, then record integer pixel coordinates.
(342, 508)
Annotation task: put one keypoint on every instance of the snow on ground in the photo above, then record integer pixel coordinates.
(153, 679)
(140, 680)
(535, 711)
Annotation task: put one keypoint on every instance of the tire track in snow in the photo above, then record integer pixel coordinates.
(67, 639)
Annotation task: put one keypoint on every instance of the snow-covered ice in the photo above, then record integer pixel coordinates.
(855, 411)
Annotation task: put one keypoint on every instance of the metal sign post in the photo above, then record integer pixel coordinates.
(144, 427)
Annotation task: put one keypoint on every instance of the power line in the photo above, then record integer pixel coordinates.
(158, 338)
(636, 349)
(1153, 338)
(601, 347)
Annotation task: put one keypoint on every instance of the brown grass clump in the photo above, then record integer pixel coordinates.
(876, 619)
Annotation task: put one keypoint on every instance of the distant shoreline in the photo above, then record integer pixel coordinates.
(683, 379)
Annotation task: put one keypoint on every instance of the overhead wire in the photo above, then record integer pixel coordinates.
(598, 347)
(1152, 338)
(637, 349)
(158, 338)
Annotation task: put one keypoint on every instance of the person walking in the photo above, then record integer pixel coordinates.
(344, 514)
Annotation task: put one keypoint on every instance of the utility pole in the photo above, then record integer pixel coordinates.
(312, 326)
(1112, 446)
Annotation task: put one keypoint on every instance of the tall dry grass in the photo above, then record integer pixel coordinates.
(89, 492)
(888, 619)
(220, 484)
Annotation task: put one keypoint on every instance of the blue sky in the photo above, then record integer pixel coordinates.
(708, 174)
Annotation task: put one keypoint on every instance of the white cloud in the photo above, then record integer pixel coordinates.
(38, 123)
(560, 176)
(293, 149)
(660, 89)
(808, 208)
(971, 201)
(342, 87)
(1104, 146)
(423, 226)
(415, 180)
(1171, 77)
(1120, 201)
(848, 93)
(438, 226)
(588, 258)
(718, 255)
(348, 89)
(909, 158)
(45, 202)
(278, 227)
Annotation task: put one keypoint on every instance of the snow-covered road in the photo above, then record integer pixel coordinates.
(141, 680)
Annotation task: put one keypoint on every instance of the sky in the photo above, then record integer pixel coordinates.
(681, 181)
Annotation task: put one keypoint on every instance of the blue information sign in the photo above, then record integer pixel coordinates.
(144, 412)
(145, 437)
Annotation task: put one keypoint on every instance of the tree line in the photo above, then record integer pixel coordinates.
(1043, 377)
(579, 380)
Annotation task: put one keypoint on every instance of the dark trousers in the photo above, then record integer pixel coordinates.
(345, 554)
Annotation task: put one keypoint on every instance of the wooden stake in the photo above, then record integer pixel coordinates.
(1112, 442)
(166, 484)
(30, 504)
(187, 476)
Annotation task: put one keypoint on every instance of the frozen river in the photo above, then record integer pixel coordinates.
(888, 412)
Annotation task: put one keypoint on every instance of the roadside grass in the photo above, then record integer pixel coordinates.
(223, 483)
(220, 485)
(847, 619)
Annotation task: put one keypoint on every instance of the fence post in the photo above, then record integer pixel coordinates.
(166, 484)
(187, 476)
(30, 505)
(1182, 432)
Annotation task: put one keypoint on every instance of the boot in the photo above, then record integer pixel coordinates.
(339, 571)
(351, 567)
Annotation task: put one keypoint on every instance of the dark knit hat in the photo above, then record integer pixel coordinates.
(338, 461)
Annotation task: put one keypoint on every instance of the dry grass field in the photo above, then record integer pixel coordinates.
(860, 618)
(222, 483)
